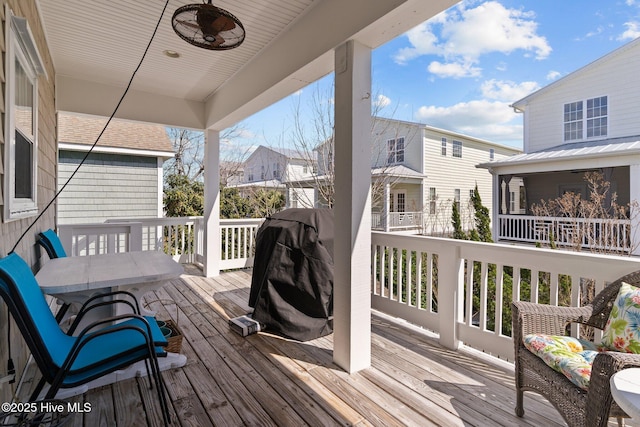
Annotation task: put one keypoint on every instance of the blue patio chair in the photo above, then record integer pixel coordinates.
(68, 361)
(51, 243)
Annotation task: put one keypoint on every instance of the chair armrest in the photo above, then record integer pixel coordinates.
(98, 301)
(606, 364)
(530, 318)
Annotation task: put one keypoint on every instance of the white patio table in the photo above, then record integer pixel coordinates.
(625, 390)
(75, 279)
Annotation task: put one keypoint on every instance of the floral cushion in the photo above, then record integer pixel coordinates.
(570, 356)
(622, 331)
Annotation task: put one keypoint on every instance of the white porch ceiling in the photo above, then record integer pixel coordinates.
(96, 45)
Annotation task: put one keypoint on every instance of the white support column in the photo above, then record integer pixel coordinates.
(634, 198)
(496, 200)
(385, 205)
(352, 244)
(212, 240)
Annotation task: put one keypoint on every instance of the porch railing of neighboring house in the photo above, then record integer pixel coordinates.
(396, 220)
(597, 234)
(458, 289)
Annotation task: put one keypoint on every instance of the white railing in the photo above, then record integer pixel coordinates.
(459, 289)
(181, 237)
(238, 242)
(596, 234)
(396, 220)
(90, 239)
(463, 290)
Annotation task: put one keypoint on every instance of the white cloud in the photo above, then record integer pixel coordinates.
(507, 91)
(553, 75)
(381, 101)
(632, 31)
(468, 32)
(453, 69)
(490, 120)
(423, 42)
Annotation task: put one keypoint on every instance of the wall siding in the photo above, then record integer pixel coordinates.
(46, 181)
(447, 173)
(615, 78)
(107, 186)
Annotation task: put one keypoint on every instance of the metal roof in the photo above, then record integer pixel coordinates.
(571, 151)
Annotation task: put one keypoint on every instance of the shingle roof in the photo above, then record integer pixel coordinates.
(74, 129)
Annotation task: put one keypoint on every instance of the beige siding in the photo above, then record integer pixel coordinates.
(107, 186)
(384, 130)
(448, 173)
(46, 177)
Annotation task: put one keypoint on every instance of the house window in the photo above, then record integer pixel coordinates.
(512, 201)
(250, 175)
(305, 169)
(294, 199)
(276, 170)
(492, 154)
(471, 194)
(573, 121)
(262, 173)
(456, 197)
(596, 119)
(395, 151)
(400, 205)
(23, 65)
(432, 200)
(443, 146)
(457, 149)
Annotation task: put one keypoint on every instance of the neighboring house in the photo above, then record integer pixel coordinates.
(277, 169)
(586, 121)
(122, 177)
(418, 171)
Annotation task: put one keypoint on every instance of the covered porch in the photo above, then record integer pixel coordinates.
(608, 225)
(287, 47)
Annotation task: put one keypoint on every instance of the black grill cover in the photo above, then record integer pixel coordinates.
(292, 282)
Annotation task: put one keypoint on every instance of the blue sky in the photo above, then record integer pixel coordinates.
(463, 68)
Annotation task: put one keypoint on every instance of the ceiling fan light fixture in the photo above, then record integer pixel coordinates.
(208, 27)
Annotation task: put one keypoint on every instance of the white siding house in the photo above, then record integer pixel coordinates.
(585, 121)
(418, 171)
(440, 169)
(121, 178)
(284, 170)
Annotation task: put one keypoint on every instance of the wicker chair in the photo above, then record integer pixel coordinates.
(578, 407)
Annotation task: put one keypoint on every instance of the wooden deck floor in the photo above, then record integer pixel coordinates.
(264, 380)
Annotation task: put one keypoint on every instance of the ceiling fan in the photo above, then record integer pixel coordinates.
(207, 26)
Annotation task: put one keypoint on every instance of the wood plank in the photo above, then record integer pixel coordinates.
(216, 404)
(102, 409)
(128, 404)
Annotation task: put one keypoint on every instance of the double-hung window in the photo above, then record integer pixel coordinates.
(593, 121)
(457, 149)
(22, 65)
(432, 200)
(597, 117)
(395, 151)
(443, 146)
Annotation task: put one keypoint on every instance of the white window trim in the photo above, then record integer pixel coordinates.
(456, 149)
(395, 150)
(585, 120)
(20, 45)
